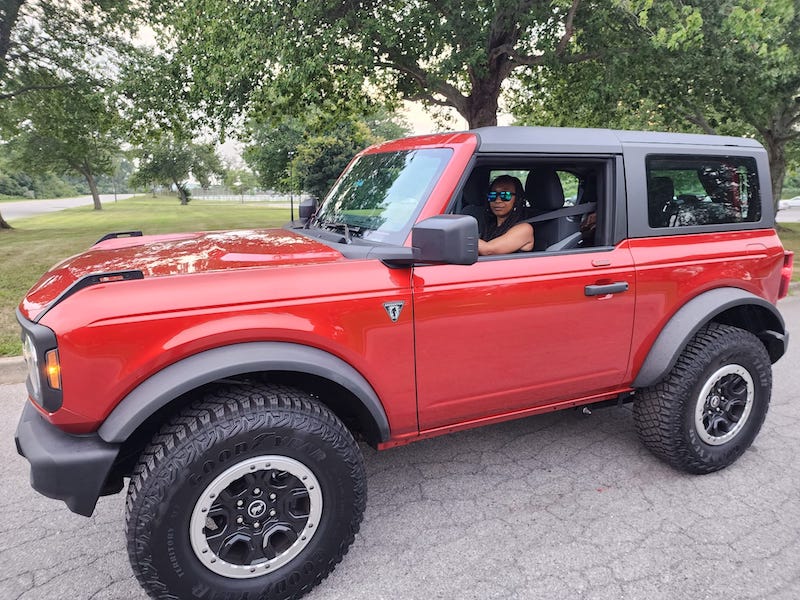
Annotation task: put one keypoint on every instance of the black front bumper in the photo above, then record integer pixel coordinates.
(72, 468)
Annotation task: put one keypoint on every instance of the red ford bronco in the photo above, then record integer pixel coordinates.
(229, 374)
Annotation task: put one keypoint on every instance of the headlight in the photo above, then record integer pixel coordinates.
(40, 349)
(35, 380)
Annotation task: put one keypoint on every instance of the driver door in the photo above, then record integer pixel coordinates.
(519, 332)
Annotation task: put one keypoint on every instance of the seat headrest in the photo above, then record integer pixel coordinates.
(662, 187)
(543, 190)
(474, 193)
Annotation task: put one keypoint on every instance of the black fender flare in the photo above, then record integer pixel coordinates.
(228, 361)
(688, 320)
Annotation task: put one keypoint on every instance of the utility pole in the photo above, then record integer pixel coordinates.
(291, 187)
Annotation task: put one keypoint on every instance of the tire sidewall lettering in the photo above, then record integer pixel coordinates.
(733, 448)
(265, 443)
(182, 497)
(666, 413)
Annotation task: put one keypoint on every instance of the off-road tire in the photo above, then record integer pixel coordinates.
(232, 428)
(668, 415)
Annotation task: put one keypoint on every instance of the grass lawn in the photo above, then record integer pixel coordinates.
(37, 243)
(790, 236)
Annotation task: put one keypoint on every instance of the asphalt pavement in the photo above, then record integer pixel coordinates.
(788, 215)
(549, 507)
(12, 211)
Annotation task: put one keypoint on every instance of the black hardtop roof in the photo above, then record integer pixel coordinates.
(574, 139)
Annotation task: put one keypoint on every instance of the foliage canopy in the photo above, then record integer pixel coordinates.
(339, 55)
(171, 161)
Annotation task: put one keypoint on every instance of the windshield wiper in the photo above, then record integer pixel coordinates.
(345, 228)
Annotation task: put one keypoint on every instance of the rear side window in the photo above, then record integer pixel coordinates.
(702, 190)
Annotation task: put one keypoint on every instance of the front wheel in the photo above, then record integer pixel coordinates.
(708, 410)
(255, 492)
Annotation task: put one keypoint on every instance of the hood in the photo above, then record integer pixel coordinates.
(178, 254)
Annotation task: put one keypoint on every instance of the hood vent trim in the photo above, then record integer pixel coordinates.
(88, 281)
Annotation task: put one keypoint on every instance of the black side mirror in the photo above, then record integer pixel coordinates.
(448, 239)
(307, 209)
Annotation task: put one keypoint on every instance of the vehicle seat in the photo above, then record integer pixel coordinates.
(473, 196)
(660, 201)
(545, 193)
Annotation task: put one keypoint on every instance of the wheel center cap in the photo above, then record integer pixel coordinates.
(257, 509)
(715, 400)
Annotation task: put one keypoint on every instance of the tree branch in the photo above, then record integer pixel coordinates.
(429, 98)
(535, 61)
(697, 118)
(569, 29)
(560, 51)
(31, 88)
(456, 98)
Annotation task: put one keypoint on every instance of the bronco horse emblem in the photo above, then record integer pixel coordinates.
(393, 309)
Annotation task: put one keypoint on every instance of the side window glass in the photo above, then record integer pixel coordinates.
(569, 183)
(701, 190)
(562, 201)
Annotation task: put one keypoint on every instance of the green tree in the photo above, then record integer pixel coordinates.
(45, 39)
(46, 44)
(66, 128)
(270, 149)
(723, 67)
(206, 164)
(155, 100)
(240, 181)
(309, 154)
(171, 160)
(321, 159)
(335, 55)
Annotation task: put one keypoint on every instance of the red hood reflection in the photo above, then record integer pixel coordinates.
(179, 254)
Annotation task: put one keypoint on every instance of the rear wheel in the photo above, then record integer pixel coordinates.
(708, 410)
(257, 491)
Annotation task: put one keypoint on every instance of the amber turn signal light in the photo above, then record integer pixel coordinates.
(53, 369)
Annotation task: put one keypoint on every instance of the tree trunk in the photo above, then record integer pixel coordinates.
(6, 27)
(776, 153)
(4, 224)
(181, 193)
(87, 173)
(482, 110)
(481, 105)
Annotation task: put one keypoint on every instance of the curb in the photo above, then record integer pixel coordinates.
(12, 370)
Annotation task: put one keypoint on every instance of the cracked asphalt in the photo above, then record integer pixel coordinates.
(557, 506)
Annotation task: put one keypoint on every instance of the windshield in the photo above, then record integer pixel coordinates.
(380, 195)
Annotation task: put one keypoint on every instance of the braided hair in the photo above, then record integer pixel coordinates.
(490, 229)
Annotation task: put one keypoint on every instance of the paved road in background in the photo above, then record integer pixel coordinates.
(30, 208)
(549, 507)
(788, 215)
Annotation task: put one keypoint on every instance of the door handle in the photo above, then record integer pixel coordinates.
(610, 288)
